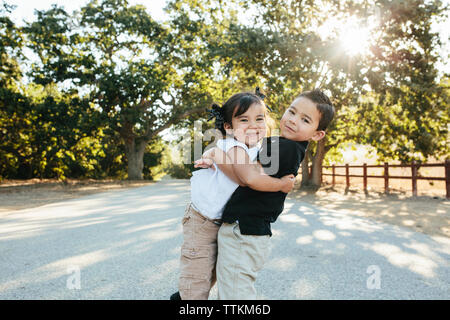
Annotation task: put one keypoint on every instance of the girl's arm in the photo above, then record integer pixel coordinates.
(251, 174)
(223, 161)
(237, 165)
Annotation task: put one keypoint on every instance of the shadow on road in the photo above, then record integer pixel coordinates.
(126, 244)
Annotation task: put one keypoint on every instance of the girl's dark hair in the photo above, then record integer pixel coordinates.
(235, 106)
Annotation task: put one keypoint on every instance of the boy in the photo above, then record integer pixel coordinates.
(244, 235)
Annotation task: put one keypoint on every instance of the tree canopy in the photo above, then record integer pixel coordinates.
(103, 82)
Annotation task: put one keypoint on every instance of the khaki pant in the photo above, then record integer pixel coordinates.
(239, 260)
(198, 255)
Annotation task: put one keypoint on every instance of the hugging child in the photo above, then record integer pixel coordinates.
(242, 122)
(243, 240)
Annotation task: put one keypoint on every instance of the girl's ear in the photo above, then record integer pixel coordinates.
(318, 135)
(227, 128)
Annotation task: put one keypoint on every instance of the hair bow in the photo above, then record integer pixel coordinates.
(262, 96)
(216, 112)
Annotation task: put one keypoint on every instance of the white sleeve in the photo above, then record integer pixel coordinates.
(227, 144)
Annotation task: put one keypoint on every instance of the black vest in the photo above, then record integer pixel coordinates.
(256, 210)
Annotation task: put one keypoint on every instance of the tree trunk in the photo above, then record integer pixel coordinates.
(316, 177)
(305, 169)
(313, 180)
(134, 151)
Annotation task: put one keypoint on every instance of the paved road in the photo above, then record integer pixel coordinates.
(125, 245)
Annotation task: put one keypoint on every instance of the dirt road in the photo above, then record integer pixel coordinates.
(125, 244)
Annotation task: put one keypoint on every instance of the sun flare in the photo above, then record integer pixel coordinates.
(353, 36)
(355, 40)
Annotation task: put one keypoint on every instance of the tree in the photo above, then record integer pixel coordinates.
(11, 42)
(282, 50)
(40, 126)
(406, 115)
(390, 92)
(199, 28)
(109, 79)
(126, 62)
(12, 102)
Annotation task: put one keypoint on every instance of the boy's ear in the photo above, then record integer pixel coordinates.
(318, 135)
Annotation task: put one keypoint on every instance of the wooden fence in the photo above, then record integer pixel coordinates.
(414, 174)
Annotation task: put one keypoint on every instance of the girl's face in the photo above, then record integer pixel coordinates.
(249, 127)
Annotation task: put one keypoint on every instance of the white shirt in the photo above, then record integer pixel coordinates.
(211, 189)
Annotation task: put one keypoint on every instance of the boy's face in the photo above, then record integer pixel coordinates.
(300, 121)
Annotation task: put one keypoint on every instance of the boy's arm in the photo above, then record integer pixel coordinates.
(250, 173)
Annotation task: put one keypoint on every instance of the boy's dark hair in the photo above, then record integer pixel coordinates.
(236, 105)
(323, 104)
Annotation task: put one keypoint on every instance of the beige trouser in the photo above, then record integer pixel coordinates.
(239, 260)
(198, 255)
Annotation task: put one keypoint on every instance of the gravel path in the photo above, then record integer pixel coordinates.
(125, 244)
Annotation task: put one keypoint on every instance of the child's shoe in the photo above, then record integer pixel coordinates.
(175, 296)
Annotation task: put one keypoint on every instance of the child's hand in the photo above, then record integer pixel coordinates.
(210, 154)
(217, 155)
(288, 183)
(204, 163)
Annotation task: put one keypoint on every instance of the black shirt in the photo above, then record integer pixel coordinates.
(255, 210)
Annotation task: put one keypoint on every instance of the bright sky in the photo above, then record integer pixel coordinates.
(25, 11)
(25, 8)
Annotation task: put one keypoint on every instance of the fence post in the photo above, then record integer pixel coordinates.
(347, 178)
(414, 178)
(447, 177)
(365, 176)
(386, 177)
(334, 181)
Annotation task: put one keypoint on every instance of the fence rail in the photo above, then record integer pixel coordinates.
(414, 174)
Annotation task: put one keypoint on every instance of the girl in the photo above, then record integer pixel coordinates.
(242, 123)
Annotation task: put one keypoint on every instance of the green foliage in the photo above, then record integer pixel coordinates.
(388, 97)
(405, 116)
(139, 75)
(11, 42)
(152, 160)
(108, 79)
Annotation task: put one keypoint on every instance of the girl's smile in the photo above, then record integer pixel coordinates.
(249, 127)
